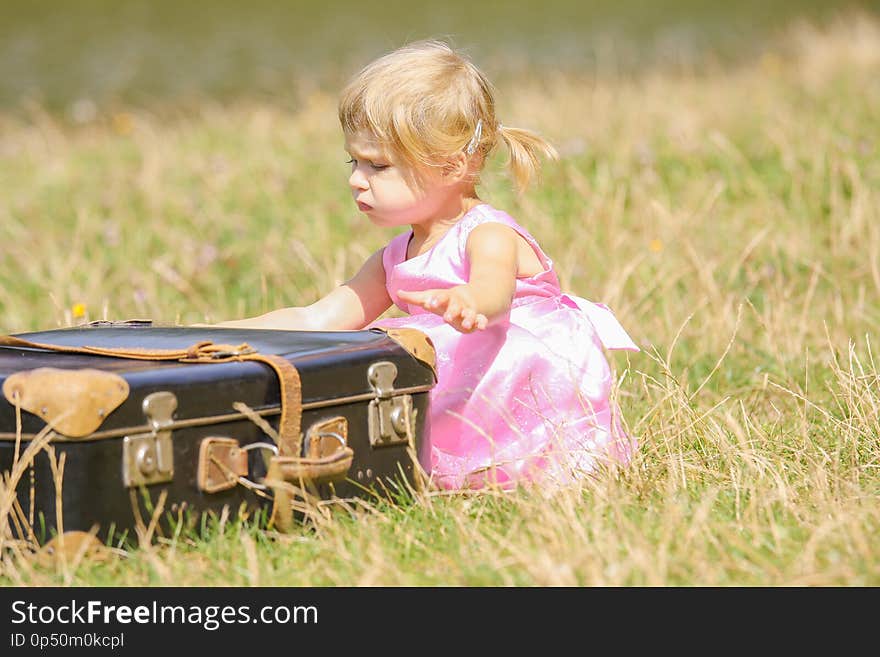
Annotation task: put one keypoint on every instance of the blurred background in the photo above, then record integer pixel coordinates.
(76, 57)
(183, 161)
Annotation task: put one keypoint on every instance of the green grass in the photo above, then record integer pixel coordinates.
(729, 215)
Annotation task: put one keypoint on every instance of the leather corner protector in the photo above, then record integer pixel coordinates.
(417, 343)
(74, 402)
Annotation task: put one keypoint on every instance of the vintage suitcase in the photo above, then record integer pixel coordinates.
(128, 415)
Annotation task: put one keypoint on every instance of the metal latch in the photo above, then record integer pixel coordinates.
(148, 458)
(391, 417)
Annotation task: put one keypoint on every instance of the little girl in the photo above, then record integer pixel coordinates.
(523, 384)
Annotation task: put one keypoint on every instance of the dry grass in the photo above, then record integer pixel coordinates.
(731, 218)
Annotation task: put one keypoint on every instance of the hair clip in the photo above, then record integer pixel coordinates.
(475, 140)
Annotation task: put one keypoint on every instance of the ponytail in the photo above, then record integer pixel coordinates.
(525, 148)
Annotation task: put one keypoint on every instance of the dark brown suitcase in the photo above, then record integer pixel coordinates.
(179, 415)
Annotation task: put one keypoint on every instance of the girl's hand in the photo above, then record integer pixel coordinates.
(456, 305)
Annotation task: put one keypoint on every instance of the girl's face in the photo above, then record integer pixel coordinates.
(390, 192)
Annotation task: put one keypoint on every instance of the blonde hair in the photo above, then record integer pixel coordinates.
(424, 102)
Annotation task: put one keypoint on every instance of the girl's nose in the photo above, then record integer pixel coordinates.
(357, 179)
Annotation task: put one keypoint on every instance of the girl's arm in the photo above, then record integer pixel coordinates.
(492, 253)
(352, 305)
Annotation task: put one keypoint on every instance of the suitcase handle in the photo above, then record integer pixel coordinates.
(296, 470)
(301, 470)
(287, 473)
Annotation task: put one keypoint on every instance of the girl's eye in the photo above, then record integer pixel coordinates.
(373, 165)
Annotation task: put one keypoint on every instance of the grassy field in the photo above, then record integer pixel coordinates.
(728, 212)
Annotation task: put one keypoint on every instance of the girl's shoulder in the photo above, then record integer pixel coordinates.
(485, 213)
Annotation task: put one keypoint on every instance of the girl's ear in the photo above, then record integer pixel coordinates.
(456, 168)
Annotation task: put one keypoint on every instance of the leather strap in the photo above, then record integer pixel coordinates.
(289, 430)
(289, 436)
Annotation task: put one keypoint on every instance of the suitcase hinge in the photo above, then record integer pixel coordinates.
(391, 417)
(148, 458)
(222, 464)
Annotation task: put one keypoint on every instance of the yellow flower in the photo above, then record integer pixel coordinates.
(656, 245)
(79, 310)
(123, 123)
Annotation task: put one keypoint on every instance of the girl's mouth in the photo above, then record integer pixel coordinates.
(363, 207)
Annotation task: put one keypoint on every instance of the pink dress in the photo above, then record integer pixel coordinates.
(526, 399)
